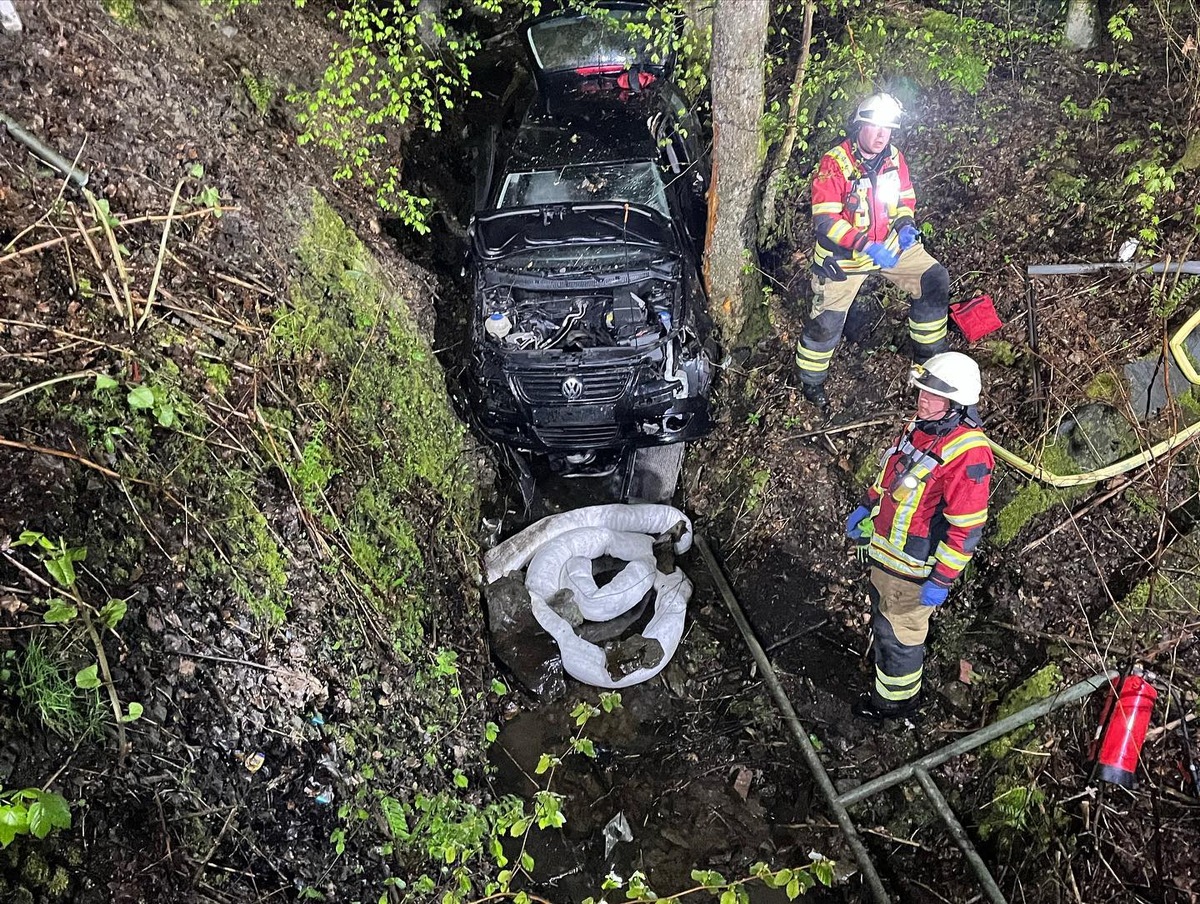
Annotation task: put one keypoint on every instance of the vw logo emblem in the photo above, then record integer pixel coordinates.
(572, 389)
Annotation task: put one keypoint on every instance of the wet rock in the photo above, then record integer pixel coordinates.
(1150, 378)
(1099, 436)
(601, 632)
(508, 605)
(518, 641)
(627, 656)
(564, 606)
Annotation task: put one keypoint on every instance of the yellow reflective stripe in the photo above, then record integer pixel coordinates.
(968, 519)
(965, 443)
(905, 511)
(839, 229)
(827, 207)
(812, 353)
(925, 326)
(888, 694)
(845, 164)
(898, 680)
(813, 366)
(887, 556)
(951, 557)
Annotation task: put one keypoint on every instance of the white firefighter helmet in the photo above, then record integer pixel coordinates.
(952, 375)
(879, 110)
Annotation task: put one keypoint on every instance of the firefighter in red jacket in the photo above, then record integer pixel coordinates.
(863, 215)
(927, 509)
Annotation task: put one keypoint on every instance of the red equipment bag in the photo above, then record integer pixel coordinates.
(1123, 721)
(976, 317)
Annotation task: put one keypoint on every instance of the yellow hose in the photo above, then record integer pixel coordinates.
(1061, 481)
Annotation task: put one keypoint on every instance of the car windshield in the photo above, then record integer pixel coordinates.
(637, 183)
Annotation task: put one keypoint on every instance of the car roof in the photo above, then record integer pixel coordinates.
(591, 128)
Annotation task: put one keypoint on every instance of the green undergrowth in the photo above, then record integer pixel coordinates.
(1034, 498)
(379, 447)
(1018, 816)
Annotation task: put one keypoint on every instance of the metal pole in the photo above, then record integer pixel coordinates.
(959, 834)
(1073, 269)
(45, 154)
(979, 738)
(865, 866)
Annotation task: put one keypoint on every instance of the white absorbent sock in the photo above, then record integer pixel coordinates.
(559, 551)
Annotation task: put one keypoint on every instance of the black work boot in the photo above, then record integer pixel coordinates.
(867, 707)
(815, 393)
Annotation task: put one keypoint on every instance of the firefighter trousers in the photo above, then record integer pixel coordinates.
(900, 624)
(917, 273)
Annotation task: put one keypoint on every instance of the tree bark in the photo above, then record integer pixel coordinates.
(784, 155)
(1082, 31)
(738, 92)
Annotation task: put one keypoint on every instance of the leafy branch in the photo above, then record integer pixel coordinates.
(59, 561)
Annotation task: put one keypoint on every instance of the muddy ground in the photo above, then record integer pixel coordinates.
(347, 713)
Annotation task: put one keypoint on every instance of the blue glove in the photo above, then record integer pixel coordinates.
(853, 531)
(908, 235)
(884, 256)
(933, 594)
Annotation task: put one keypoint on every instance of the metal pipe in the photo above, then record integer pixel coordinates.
(43, 153)
(990, 889)
(1075, 269)
(865, 865)
(977, 739)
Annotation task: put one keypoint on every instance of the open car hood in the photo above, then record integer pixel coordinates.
(569, 49)
(508, 231)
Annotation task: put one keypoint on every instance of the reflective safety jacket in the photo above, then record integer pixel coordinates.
(856, 202)
(930, 501)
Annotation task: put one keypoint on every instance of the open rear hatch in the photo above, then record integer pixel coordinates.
(620, 44)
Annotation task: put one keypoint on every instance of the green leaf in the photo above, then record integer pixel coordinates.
(823, 870)
(60, 611)
(104, 381)
(135, 712)
(793, 889)
(166, 415)
(33, 538)
(62, 570)
(499, 687)
(526, 861)
(196, 171)
(544, 763)
(41, 817)
(112, 612)
(140, 397)
(88, 678)
(14, 821)
(460, 780)
(491, 731)
(585, 746)
(728, 896)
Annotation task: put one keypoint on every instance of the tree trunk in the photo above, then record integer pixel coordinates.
(738, 92)
(1082, 31)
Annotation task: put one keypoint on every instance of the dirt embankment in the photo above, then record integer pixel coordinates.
(255, 448)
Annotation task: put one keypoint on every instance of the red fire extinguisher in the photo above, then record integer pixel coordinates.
(1123, 722)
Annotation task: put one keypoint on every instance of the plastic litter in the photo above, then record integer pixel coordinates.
(617, 829)
(324, 796)
(559, 551)
(254, 761)
(9, 20)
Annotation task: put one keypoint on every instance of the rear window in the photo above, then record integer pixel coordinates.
(636, 183)
(617, 41)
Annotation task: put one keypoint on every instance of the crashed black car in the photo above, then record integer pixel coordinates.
(590, 330)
